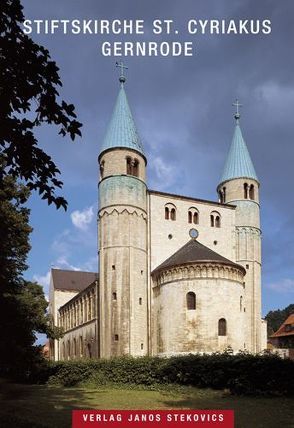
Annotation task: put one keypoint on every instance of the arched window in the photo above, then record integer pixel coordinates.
(211, 220)
(81, 346)
(222, 327)
(114, 296)
(102, 164)
(173, 214)
(82, 311)
(195, 218)
(190, 216)
(245, 191)
(251, 192)
(132, 166)
(135, 171)
(89, 348)
(166, 210)
(89, 308)
(129, 165)
(191, 300)
(215, 219)
(68, 349)
(241, 303)
(221, 197)
(224, 195)
(63, 351)
(74, 348)
(170, 211)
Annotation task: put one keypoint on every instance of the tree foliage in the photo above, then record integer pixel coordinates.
(29, 83)
(22, 303)
(276, 318)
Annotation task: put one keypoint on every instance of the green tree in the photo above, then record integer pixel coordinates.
(22, 303)
(276, 318)
(29, 83)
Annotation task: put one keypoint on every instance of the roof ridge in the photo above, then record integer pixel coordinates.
(196, 253)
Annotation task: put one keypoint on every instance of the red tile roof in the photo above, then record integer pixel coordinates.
(282, 330)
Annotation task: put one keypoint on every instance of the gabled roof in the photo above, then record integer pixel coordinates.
(195, 252)
(282, 330)
(72, 280)
(238, 163)
(121, 131)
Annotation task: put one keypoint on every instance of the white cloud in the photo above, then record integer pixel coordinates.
(284, 286)
(165, 174)
(43, 280)
(82, 219)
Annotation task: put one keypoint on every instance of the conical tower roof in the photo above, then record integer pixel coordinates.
(238, 163)
(195, 252)
(121, 131)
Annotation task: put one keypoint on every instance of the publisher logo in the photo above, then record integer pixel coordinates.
(153, 418)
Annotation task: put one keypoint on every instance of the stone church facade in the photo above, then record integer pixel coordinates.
(176, 274)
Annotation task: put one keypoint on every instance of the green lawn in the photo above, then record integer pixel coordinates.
(42, 406)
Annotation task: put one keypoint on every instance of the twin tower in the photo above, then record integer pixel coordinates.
(176, 274)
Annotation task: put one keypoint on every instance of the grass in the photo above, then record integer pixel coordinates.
(39, 406)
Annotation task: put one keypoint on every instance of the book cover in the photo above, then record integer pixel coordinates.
(177, 237)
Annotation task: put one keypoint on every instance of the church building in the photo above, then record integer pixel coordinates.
(176, 274)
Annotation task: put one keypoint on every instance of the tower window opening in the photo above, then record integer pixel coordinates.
(142, 272)
(142, 346)
(245, 191)
(241, 303)
(222, 327)
(191, 300)
(102, 164)
(251, 192)
(221, 197)
(224, 195)
(129, 166)
(140, 300)
(247, 266)
(113, 267)
(116, 337)
(114, 296)
(132, 166)
(135, 168)
(173, 214)
(217, 221)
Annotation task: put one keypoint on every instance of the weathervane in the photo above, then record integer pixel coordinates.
(237, 105)
(122, 67)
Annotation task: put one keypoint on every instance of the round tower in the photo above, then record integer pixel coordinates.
(239, 186)
(122, 229)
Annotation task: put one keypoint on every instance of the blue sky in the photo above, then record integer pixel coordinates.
(182, 108)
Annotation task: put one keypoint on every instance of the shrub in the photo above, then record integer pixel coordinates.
(241, 373)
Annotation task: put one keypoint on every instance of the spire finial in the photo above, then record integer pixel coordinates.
(122, 77)
(237, 114)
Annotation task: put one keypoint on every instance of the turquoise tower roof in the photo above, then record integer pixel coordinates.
(121, 131)
(238, 163)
